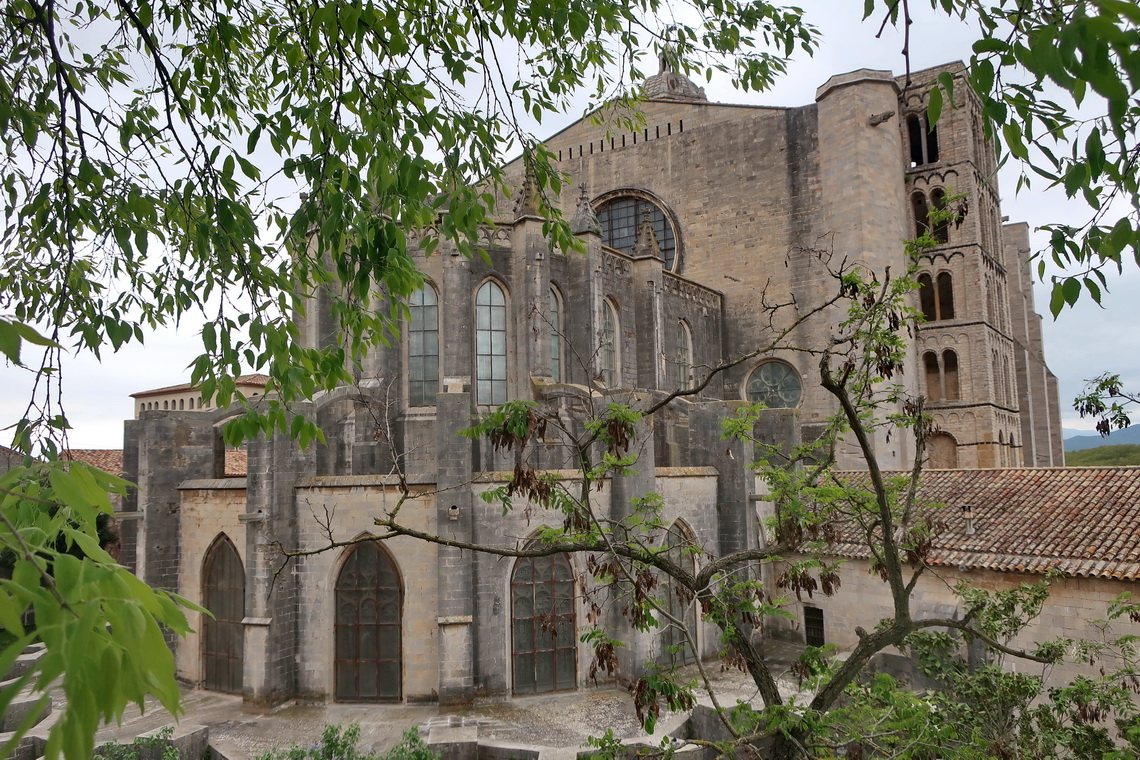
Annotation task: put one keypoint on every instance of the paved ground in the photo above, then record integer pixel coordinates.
(553, 721)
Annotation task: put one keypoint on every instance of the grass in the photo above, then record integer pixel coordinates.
(1105, 456)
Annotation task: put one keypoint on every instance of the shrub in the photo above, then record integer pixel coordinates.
(337, 743)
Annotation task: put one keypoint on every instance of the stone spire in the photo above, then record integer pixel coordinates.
(646, 246)
(585, 220)
(526, 203)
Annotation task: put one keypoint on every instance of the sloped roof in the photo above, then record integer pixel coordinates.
(254, 380)
(1082, 521)
(107, 460)
(236, 463)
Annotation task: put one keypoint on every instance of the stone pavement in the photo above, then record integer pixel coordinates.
(549, 723)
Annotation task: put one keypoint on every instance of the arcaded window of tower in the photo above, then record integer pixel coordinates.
(942, 226)
(950, 375)
(926, 297)
(945, 297)
(621, 216)
(933, 376)
(490, 345)
(923, 140)
(921, 214)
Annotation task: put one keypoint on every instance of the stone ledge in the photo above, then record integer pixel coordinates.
(213, 484)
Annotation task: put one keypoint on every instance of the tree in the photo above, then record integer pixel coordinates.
(640, 563)
(152, 149)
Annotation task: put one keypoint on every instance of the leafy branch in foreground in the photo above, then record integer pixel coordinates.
(102, 628)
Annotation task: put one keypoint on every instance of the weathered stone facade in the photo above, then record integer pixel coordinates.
(749, 206)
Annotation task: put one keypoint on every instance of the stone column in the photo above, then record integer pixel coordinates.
(275, 466)
(454, 517)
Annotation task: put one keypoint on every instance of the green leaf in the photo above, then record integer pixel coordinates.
(934, 105)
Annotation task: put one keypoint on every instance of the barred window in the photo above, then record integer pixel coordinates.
(423, 347)
(490, 345)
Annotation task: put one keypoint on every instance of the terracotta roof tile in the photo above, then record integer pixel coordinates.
(1081, 520)
(236, 463)
(107, 460)
(254, 380)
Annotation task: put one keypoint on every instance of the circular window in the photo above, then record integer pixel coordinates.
(621, 219)
(774, 384)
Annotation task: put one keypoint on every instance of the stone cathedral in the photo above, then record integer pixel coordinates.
(693, 225)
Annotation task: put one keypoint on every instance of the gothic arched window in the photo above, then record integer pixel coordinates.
(490, 344)
(609, 349)
(555, 335)
(423, 347)
(544, 635)
(621, 218)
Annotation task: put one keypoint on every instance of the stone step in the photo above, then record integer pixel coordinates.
(29, 748)
(26, 661)
(20, 707)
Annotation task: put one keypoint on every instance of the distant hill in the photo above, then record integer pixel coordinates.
(1082, 442)
(1104, 456)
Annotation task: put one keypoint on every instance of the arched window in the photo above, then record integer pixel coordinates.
(679, 367)
(621, 217)
(555, 335)
(166, 405)
(950, 376)
(923, 140)
(926, 299)
(181, 404)
(945, 296)
(223, 635)
(423, 347)
(942, 226)
(676, 646)
(941, 452)
(921, 214)
(490, 345)
(544, 641)
(369, 608)
(609, 349)
(774, 384)
(933, 376)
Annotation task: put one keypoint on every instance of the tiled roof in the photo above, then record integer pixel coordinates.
(107, 460)
(1082, 521)
(236, 463)
(255, 380)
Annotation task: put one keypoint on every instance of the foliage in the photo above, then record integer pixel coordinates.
(340, 743)
(152, 152)
(1106, 399)
(1105, 456)
(1059, 84)
(157, 747)
(635, 558)
(103, 628)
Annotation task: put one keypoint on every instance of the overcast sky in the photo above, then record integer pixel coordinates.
(1082, 343)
